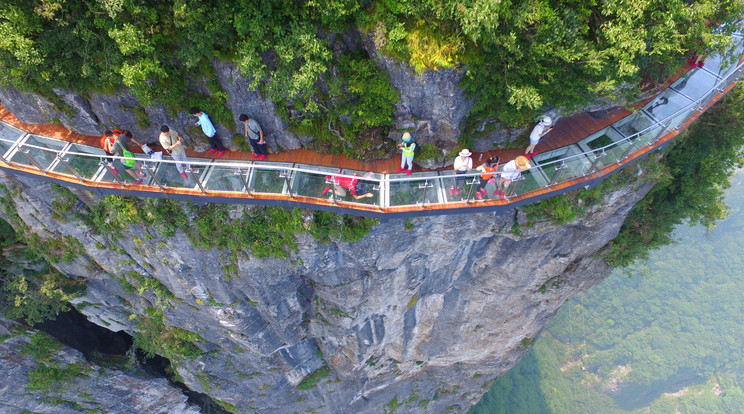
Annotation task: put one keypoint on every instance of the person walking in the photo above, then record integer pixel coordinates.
(172, 143)
(511, 172)
(463, 164)
(254, 134)
(408, 147)
(539, 131)
(209, 131)
(121, 149)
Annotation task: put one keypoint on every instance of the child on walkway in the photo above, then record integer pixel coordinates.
(408, 148)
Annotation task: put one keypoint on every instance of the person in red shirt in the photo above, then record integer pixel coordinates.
(352, 184)
(107, 143)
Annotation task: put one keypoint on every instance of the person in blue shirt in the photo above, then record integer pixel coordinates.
(209, 131)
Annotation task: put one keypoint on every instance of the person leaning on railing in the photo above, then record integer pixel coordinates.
(488, 167)
(511, 172)
(540, 130)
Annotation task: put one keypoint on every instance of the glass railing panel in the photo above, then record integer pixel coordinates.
(169, 175)
(466, 184)
(105, 175)
(426, 188)
(550, 162)
(666, 105)
(695, 84)
(227, 178)
(608, 144)
(530, 180)
(640, 121)
(87, 167)
(8, 135)
(44, 155)
(365, 187)
(313, 184)
(269, 181)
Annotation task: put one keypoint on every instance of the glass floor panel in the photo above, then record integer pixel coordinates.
(8, 133)
(169, 176)
(467, 184)
(666, 105)
(695, 83)
(550, 163)
(424, 190)
(722, 65)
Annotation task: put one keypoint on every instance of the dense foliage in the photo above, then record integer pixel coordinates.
(520, 55)
(669, 340)
(699, 165)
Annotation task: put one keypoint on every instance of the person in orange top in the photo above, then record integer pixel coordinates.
(488, 167)
(107, 143)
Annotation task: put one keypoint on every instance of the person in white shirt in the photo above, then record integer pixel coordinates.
(539, 131)
(463, 164)
(511, 172)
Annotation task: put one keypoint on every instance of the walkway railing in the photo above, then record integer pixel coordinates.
(585, 163)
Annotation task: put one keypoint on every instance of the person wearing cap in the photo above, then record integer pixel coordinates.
(408, 148)
(511, 172)
(463, 164)
(539, 131)
(487, 168)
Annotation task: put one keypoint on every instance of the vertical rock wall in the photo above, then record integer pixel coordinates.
(414, 320)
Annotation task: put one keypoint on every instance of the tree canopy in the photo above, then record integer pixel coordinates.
(520, 55)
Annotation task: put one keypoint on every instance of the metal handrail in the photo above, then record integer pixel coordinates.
(290, 171)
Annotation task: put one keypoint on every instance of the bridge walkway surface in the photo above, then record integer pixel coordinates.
(581, 151)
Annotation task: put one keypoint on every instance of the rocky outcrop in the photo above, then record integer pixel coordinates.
(419, 319)
(87, 388)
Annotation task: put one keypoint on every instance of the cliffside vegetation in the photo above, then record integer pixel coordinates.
(520, 55)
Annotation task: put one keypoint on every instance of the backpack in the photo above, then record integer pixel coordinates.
(417, 148)
(129, 161)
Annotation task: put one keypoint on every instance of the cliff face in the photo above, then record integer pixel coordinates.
(432, 104)
(89, 388)
(419, 319)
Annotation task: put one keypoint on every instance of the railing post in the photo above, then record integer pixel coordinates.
(514, 187)
(244, 179)
(629, 150)
(146, 166)
(333, 190)
(69, 167)
(470, 191)
(658, 136)
(557, 172)
(425, 185)
(285, 174)
(198, 182)
(594, 164)
(7, 162)
(111, 170)
(33, 161)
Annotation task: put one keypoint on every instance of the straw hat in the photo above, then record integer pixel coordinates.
(406, 137)
(522, 162)
(465, 153)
